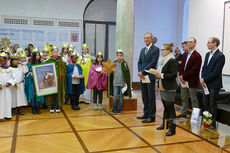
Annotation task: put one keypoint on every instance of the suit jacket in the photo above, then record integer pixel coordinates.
(192, 70)
(212, 71)
(169, 75)
(148, 61)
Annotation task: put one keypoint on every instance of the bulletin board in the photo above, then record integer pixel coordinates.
(40, 35)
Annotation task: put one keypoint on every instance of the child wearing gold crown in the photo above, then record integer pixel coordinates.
(46, 52)
(7, 80)
(57, 100)
(65, 52)
(74, 82)
(85, 62)
(121, 82)
(19, 97)
(29, 83)
(97, 81)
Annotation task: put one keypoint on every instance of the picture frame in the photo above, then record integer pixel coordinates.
(45, 79)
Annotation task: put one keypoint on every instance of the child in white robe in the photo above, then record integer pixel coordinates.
(18, 92)
(7, 80)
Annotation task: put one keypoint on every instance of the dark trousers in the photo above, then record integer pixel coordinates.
(99, 93)
(74, 97)
(209, 102)
(34, 102)
(169, 110)
(54, 101)
(148, 98)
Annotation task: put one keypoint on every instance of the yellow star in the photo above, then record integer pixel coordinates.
(108, 66)
(5, 42)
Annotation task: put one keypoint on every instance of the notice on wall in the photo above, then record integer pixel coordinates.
(226, 38)
(40, 35)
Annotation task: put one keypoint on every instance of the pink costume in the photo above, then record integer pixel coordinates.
(95, 80)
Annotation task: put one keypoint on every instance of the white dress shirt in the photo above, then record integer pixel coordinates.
(189, 55)
(211, 54)
(75, 73)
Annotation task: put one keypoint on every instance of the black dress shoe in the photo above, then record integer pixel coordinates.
(76, 108)
(162, 127)
(149, 120)
(142, 117)
(171, 132)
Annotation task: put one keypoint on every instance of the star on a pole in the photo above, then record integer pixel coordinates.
(108, 66)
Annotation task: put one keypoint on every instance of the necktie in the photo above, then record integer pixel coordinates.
(146, 51)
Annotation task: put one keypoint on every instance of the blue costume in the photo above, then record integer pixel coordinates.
(74, 90)
(30, 89)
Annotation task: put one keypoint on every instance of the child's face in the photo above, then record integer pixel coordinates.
(15, 62)
(45, 53)
(55, 53)
(120, 57)
(99, 59)
(37, 56)
(2, 61)
(85, 50)
(74, 59)
(65, 50)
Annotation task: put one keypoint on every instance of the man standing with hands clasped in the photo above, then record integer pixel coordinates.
(148, 59)
(211, 77)
(189, 77)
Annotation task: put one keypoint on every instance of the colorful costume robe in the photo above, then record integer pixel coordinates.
(30, 87)
(19, 96)
(7, 76)
(70, 69)
(97, 80)
(85, 62)
(61, 75)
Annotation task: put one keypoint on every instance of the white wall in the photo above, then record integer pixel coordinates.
(69, 9)
(163, 18)
(205, 20)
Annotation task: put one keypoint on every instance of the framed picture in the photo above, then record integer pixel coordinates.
(45, 79)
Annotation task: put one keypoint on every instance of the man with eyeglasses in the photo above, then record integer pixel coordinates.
(189, 73)
(211, 76)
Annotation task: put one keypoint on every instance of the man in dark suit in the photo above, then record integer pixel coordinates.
(189, 72)
(211, 76)
(148, 59)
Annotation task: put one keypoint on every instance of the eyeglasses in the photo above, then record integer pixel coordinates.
(163, 49)
(209, 42)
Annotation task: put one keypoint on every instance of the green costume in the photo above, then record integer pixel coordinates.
(61, 75)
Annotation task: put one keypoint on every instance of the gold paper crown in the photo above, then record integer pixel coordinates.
(100, 54)
(65, 44)
(85, 46)
(71, 47)
(35, 50)
(74, 54)
(22, 53)
(54, 48)
(120, 51)
(3, 54)
(19, 50)
(6, 49)
(46, 47)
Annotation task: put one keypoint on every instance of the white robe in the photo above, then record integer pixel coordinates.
(6, 76)
(18, 94)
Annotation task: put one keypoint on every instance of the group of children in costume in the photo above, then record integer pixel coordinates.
(76, 76)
